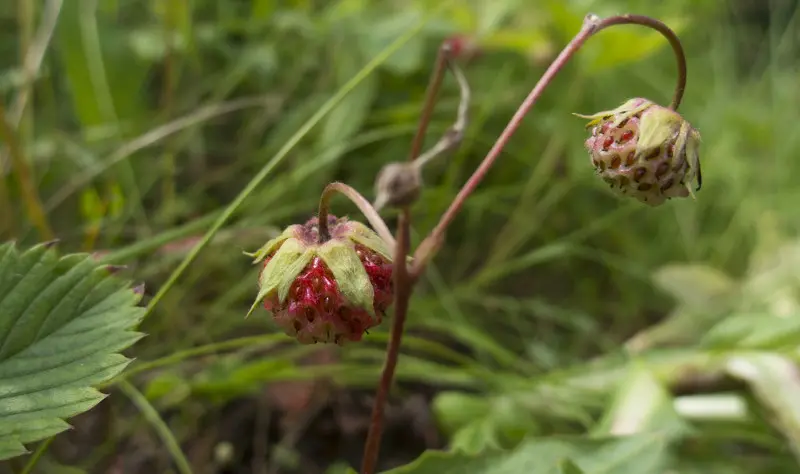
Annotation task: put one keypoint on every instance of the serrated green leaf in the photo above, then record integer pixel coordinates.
(350, 275)
(63, 322)
(641, 454)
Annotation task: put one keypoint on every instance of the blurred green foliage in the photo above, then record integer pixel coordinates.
(554, 308)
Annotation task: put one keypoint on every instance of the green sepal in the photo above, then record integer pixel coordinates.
(657, 127)
(351, 277)
(271, 245)
(688, 145)
(693, 157)
(367, 237)
(622, 112)
(278, 275)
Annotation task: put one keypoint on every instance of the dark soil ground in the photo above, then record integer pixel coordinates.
(258, 436)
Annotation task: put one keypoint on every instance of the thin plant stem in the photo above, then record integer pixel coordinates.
(159, 425)
(363, 205)
(455, 134)
(36, 456)
(24, 176)
(26, 12)
(591, 25)
(7, 224)
(34, 56)
(434, 86)
(404, 286)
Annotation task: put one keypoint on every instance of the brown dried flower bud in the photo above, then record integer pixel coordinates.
(398, 184)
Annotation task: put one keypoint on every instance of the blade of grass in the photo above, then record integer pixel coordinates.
(98, 76)
(34, 55)
(40, 450)
(151, 415)
(284, 151)
(20, 167)
(180, 356)
(150, 138)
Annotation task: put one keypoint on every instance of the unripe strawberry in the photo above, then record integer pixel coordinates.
(646, 151)
(325, 290)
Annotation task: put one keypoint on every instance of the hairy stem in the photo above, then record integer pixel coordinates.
(591, 25)
(363, 205)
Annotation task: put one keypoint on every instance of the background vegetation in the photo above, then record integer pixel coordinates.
(555, 307)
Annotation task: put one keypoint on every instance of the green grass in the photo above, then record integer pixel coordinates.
(175, 156)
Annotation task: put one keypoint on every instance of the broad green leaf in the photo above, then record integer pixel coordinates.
(775, 381)
(772, 281)
(754, 331)
(454, 410)
(641, 454)
(696, 286)
(63, 322)
(641, 404)
(478, 422)
(476, 437)
(569, 467)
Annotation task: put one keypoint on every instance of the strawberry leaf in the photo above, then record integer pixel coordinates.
(63, 322)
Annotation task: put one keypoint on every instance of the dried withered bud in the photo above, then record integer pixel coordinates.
(329, 290)
(646, 151)
(398, 184)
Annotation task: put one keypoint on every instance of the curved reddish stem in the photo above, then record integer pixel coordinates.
(591, 25)
(378, 225)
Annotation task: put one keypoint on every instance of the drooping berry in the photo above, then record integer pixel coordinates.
(326, 290)
(645, 151)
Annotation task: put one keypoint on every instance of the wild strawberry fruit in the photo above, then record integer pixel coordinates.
(646, 151)
(325, 289)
